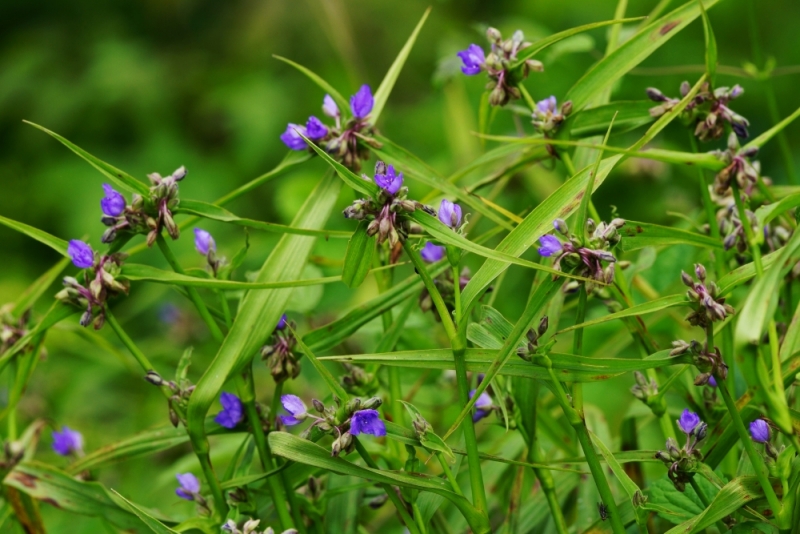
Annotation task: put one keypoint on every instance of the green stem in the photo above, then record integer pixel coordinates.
(527, 96)
(567, 159)
(12, 414)
(449, 473)
(194, 296)
(458, 345)
(138, 355)
(393, 496)
(598, 474)
(246, 390)
(220, 505)
(457, 293)
(706, 502)
(577, 348)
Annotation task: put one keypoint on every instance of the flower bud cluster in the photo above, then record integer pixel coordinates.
(547, 117)
(341, 141)
(504, 76)
(708, 362)
(584, 259)
(708, 305)
(249, 527)
(344, 420)
(708, 111)
(645, 390)
(532, 345)
(683, 462)
(739, 166)
(100, 282)
(383, 209)
(11, 328)
(181, 390)
(279, 355)
(357, 381)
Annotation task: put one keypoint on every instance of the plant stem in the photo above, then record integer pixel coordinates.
(706, 502)
(12, 414)
(458, 345)
(527, 96)
(213, 327)
(457, 293)
(449, 473)
(246, 390)
(396, 500)
(577, 348)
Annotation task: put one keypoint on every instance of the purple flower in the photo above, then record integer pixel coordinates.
(367, 422)
(82, 254)
(483, 406)
(473, 59)
(113, 204)
(712, 381)
(736, 91)
(189, 486)
(688, 421)
(759, 431)
(550, 245)
(361, 103)
(315, 129)
(296, 407)
(203, 242)
(389, 182)
(292, 139)
(450, 213)
(67, 441)
(548, 104)
(432, 253)
(281, 323)
(232, 411)
(329, 107)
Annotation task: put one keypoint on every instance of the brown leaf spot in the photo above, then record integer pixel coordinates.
(666, 28)
(52, 501)
(29, 481)
(602, 377)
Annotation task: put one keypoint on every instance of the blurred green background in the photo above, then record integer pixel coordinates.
(151, 85)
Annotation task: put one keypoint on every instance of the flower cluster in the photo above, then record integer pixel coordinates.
(12, 329)
(357, 381)
(100, 282)
(584, 259)
(645, 390)
(708, 362)
(180, 389)
(355, 418)
(67, 442)
(383, 209)
(204, 244)
(279, 355)
(731, 228)
(530, 348)
(708, 111)
(249, 527)
(739, 166)
(504, 70)
(708, 305)
(683, 462)
(547, 117)
(341, 140)
(145, 214)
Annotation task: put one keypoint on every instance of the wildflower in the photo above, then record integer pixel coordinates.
(547, 118)
(362, 102)
(279, 354)
(329, 107)
(450, 213)
(432, 253)
(688, 421)
(759, 431)
(708, 306)
(281, 323)
(82, 254)
(113, 204)
(390, 181)
(203, 242)
(291, 138)
(483, 406)
(232, 410)
(645, 389)
(189, 487)
(67, 441)
(367, 422)
(473, 60)
(296, 407)
(551, 245)
(315, 130)
(712, 382)
(740, 166)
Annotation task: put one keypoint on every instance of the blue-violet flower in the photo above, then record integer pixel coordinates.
(82, 254)
(362, 102)
(759, 431)
(450, 213)
(296, 407)
(551, 245)
(67, 441)
(203, 242)
(432, 253)
(688, 421)
(189, 486)
(113, 204)
(292, 139)
(232, 410)
(367, 422)
(391, 181)
(472, 59)
(315, 129)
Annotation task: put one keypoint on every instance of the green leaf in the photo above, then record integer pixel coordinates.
(326, 375)
(37, 289)
(148, 520)
(354, 181)
(386, 86)
(306, 452)
(57, 244)
(57, 313)
(120, 178)
(632, 52)
(292, 158)
(344, 105)
(139, 272)
(636, 235)
(210, 211)
(762, 139)
(595, 121)
(745, 273)
(142, 444)
(791, 340)
(260, 310)
(737, 493)
(541, 44)
(429, 440)
(358, 258)
(652, 306)
(624, 479)
(51, 485)
(766, 213)
(711, 46)
(677, 506)
(583, 209)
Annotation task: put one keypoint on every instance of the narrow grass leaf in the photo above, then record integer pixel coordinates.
(711, 46)
(144, 516)
(325, 86)
(358, 257)
(56, 243)
(636, 235)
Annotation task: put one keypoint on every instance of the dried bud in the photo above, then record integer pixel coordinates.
(318, 405)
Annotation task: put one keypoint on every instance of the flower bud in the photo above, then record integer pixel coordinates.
(655, 95)
(494, 35)
(566, 108)
(687, 280)
(561, 227)
(318, 405)
(700, 271)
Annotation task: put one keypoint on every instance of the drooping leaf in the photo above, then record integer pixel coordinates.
(57, 244)
(652, 306)
(711, 46)
(636, 235)
(144, 516)
(341, 101)
(37, 288)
